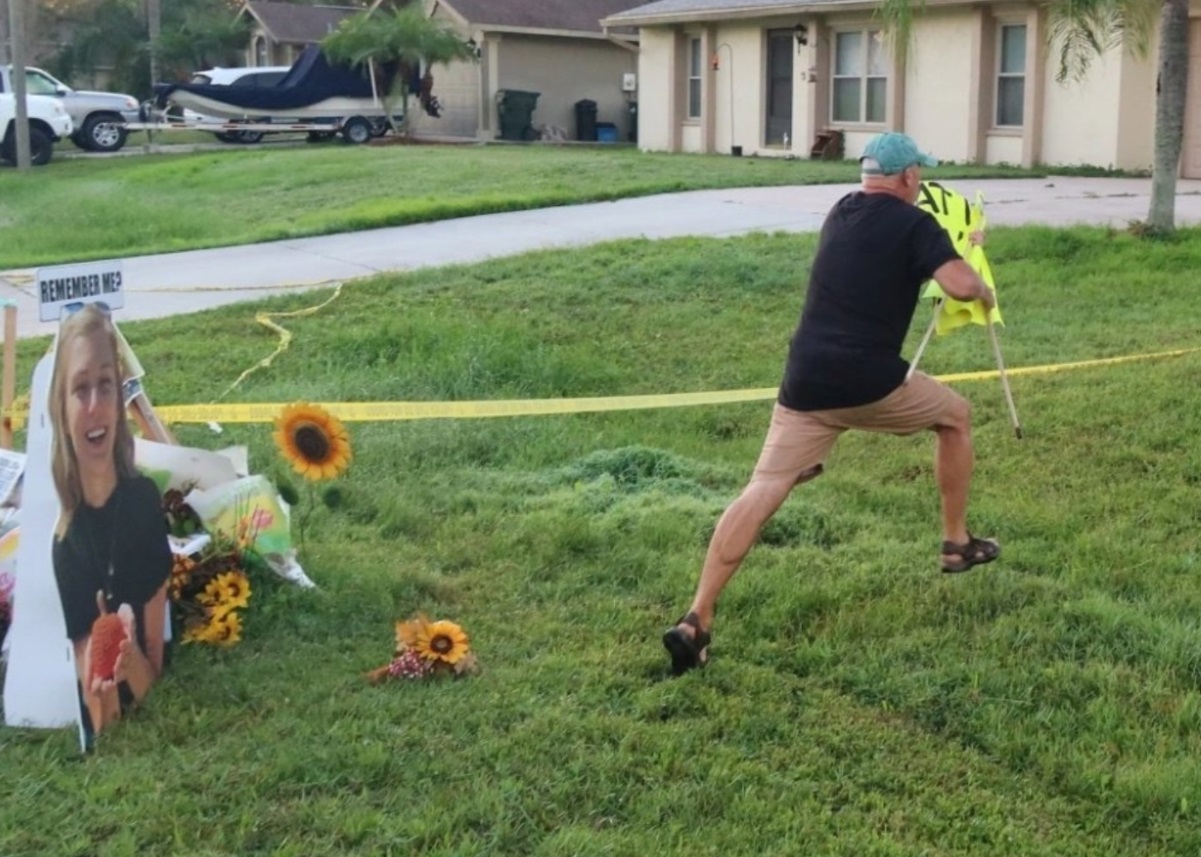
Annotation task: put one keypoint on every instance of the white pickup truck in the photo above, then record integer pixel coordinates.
(48, 123)
(99, 117)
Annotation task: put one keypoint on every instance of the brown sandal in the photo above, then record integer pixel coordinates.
(687, 652)
(975, 552)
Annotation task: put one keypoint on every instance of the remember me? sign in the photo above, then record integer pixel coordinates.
(88, 282)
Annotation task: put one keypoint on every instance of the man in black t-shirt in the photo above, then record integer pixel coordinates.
(845, 371)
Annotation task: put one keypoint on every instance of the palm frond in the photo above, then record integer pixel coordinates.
(897, 18)
(1083, 30)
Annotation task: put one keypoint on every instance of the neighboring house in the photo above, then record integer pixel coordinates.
(553, 47)
(978, 84)
(280, 31)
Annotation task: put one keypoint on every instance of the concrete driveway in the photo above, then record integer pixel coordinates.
(174, 283)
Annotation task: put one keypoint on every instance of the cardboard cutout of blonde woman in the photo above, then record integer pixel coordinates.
(106, 548)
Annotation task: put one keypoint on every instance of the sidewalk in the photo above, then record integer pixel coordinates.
(186, 282)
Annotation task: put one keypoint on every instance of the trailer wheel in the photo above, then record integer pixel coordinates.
(356, 131)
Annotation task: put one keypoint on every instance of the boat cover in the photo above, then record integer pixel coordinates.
(312, 79)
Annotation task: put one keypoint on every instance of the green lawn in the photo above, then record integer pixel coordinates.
(88, 208)
(858, 703)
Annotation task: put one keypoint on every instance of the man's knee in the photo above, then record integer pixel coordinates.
(762, 497)
(957, 417)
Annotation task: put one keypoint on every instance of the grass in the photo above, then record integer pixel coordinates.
(80, 209)
(857, 704)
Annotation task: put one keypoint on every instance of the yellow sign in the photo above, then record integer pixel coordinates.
(960, 219)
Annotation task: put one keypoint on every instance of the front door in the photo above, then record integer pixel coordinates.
(1190, 159)
(778, 131)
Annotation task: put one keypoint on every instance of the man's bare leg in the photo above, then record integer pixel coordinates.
(736, 532)
(953, 463)
(953, 470)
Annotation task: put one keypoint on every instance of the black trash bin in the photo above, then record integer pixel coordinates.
(515, 108)
(585, 120)
(633, 133)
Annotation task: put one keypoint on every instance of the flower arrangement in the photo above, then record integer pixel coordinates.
(426, 649)
(208, 591)
(209, 587)
(317, 445)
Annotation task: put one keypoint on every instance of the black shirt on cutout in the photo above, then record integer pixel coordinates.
(130, 532)
(874, 254)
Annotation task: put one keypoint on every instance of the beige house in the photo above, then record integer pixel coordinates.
(773, 77)
(279, 32)
(555, 48)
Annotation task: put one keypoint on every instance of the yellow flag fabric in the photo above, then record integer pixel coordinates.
(960, 219)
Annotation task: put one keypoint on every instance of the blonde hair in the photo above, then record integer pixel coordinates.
(90, 321)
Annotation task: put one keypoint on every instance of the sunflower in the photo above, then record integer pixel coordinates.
(441, 641)
(226, 630)
(234, 589)
(313, 440)
(407, 632)
(223, 628)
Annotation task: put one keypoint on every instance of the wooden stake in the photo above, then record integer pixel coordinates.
(143, 414)
(917, 355)
(1013, 411)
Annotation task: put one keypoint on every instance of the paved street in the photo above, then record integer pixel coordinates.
(184, 282)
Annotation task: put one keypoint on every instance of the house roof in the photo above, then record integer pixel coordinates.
(571, 15)
(297, 23)
(663, 11)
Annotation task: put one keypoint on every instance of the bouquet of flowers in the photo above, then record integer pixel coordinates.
(207, 590)
(426, 649)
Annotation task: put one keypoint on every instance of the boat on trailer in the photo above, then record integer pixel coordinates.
(315, 95)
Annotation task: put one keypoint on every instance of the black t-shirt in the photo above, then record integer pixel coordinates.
(874, 253)
(130, 532)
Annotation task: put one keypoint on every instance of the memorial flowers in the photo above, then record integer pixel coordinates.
(428, 649)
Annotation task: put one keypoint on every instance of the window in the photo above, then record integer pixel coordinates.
(37, 83)
(694, 78)
(260, 51)
(260, 79)
(860, 77)
(1011, 75)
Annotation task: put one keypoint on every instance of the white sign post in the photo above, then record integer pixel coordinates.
(85, 283)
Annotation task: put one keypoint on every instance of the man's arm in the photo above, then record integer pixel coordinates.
(963, 284)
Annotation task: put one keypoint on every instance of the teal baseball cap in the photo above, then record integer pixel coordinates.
(889, 153)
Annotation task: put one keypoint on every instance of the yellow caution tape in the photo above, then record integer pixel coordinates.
(1051, 368)
(234, 412)
(285, 337)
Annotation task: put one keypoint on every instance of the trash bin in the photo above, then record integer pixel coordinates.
(606, 132)
(515, 108)
(633, 134)
(585, 120)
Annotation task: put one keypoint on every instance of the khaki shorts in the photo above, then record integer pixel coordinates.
(798, 441)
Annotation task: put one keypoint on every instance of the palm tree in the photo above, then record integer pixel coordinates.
(401, 40)
(1082, 30)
